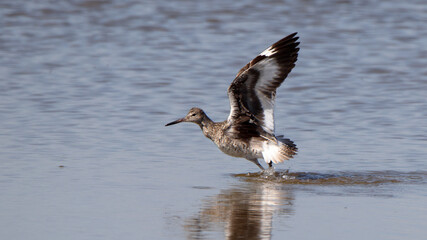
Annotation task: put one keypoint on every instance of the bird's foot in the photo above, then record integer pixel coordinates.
(269, 171)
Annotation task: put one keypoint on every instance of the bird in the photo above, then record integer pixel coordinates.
(248, 132)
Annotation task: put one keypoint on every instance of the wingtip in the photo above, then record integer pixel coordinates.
(292, 36)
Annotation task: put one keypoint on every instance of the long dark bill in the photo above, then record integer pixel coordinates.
(175, 122)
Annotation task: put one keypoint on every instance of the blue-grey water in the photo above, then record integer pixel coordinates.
(86, 87)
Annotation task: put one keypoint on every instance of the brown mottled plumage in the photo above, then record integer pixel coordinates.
(248, 132)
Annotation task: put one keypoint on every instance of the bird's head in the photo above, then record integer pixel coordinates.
(195, 115)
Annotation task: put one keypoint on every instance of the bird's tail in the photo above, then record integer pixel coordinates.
(279, 151)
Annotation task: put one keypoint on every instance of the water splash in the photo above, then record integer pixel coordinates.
(335, 178)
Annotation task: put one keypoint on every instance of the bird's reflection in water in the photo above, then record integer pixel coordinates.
(247, 210)
(244, 212)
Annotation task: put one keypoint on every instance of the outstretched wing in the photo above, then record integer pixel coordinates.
(253, 91)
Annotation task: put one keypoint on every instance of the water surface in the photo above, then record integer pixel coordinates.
(87, 86)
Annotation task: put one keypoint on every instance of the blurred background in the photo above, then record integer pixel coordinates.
(87, 86)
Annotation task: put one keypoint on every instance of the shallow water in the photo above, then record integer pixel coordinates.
(336, 178)
(306, 205)
(87, 86)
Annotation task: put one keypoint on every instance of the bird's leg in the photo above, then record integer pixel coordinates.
(259, 165)
(254, 160)
(270, 164)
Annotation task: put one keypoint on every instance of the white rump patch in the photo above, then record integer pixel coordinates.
(271, 152)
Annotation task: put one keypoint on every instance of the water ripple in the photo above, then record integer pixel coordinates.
(336, 178)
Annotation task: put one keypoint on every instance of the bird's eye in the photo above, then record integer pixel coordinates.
(193, 114)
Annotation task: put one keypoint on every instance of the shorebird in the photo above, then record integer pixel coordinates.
(248, 131)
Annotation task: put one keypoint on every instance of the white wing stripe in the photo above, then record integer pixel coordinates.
(268, 52)
(268, 70)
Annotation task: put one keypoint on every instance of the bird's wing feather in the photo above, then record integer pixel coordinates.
(253, 91)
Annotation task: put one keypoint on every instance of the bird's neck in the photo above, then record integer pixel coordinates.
(207, 126)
